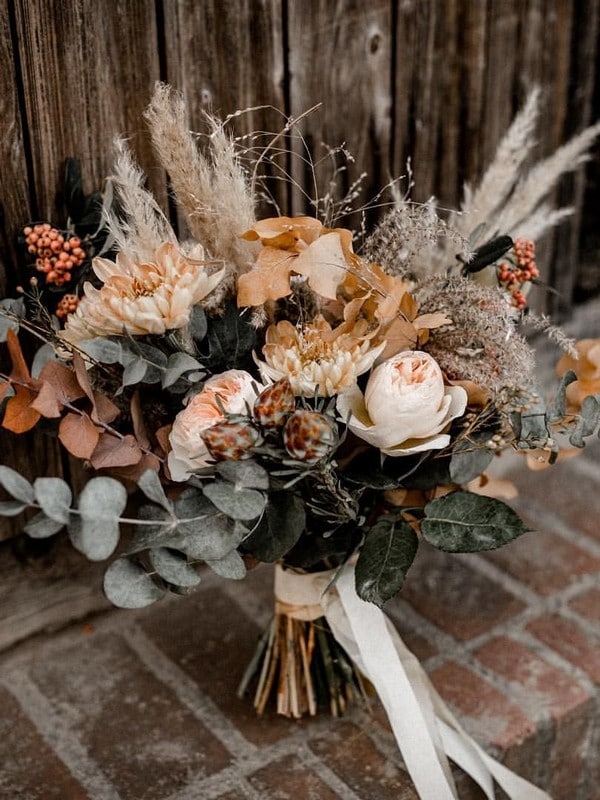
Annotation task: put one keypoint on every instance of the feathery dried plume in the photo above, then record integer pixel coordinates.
(481, 344)
(211, 189)
(542, 219)
(406, 241)
(542, 323)
(535, 186)
(499, 179)
(140, 226)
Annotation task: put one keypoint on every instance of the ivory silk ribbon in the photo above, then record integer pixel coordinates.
(426, 731)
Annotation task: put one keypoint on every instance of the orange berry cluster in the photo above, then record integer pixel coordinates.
(67, 305)
(519, 269)
(56, 254)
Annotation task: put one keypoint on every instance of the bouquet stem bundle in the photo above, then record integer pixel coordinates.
(300, 666)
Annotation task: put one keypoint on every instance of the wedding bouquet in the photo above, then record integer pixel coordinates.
(280, 390)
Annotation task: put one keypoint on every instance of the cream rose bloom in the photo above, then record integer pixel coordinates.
(235, 389)
(405, 407)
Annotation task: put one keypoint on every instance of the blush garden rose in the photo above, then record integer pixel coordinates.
(405, 407)
(235, 390)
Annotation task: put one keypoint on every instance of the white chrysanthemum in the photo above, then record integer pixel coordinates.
(317, 359)
(141, 298)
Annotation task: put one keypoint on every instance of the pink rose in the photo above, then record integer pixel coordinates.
(235, 389)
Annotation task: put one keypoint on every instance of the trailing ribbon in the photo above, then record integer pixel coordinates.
(426, 731)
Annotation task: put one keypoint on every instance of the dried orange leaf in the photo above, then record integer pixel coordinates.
(269, 280)
(113, 452)
(19, 416)
(20, 370)
(399, 335)
(431, 321)
(78, 434)
(324, 264)
(135, 471)
(104, 409)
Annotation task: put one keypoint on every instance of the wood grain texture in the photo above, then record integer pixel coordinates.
(89, 69)
(340, 56)
(229, 57)
(14, 184)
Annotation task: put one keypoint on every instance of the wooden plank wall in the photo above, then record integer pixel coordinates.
(436, 81)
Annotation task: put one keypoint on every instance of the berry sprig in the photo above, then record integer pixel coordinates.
(55, 253)
(518, 270)
(66, 305)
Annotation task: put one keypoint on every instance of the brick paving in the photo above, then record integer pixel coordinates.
(142, 705)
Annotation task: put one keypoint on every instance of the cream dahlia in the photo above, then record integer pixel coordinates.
(317, 359)
(141, 298)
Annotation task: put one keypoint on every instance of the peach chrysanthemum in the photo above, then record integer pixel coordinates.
(316, 358)
(141, 298)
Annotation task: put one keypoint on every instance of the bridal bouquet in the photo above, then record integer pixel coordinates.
(280, 390)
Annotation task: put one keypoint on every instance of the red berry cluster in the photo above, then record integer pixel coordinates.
(56, 253)
(67, 305)
(519, 269)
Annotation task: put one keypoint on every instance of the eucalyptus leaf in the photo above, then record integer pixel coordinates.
(212, 539)
(464, 522)
(42, 356)
(150, 484)
(236, 503)
(589, 419)
(134, 372)
(41, 526)
(97, 539)
(558, 408)
(10, 508)
(163, 534)
(231, 566)
(105, 351)
(16, 485)
(198, 323)
(246, 474)
(128, 585)
(533, 426)
(389, 549)
(173, 567)
(470, 457)
(55, 497)
(177, 364)
(280, 528)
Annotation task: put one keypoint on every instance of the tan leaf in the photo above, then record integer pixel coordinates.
(63, 381)
(162, 437)
(137, 417)
(78, 434)
(135, 471)
(431, 321)
(114, 452)
(19, 416)
(489, 486)
(82, 376)
(476, 394)
(104, 409)
(269, 280)
(285, 232)
(324, 264)
(47, 403)
(399, 335)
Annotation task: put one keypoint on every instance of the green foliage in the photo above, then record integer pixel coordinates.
(95, 532)
(230, 566)
(588, 420)
(9, 309)
(173, 567)
(128, 585)
(558, 407)
(16, 485)
(243, 504)
(229, 341)
(55, 497)
(41, 526)
(464, 522)
(280, 528)
(389, 549)
(470, 457)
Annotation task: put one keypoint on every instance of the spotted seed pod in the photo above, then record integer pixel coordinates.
(274, 404)
(230, 440)
(309, 436)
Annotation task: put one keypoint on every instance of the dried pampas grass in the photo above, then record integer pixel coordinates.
(139, 226)
(210, 188)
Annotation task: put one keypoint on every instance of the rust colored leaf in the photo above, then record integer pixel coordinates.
(104, 409)
(399, 335)
(162, 437)
(135, 471)
(82, 376)
(47, 403)
(113, 452)
(137, 417)
(19, 416)
(20, 370)
(4, 387)
(269, 280)
(78, 434)
(63, 381)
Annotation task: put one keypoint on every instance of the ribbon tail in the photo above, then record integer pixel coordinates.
(426, 731)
